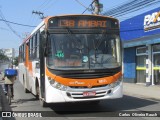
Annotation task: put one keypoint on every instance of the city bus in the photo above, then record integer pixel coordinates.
(72, 58)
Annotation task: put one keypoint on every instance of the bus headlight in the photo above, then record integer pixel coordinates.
(57, 85)
(112, 85)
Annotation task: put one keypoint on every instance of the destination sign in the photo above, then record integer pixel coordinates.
(83, 22)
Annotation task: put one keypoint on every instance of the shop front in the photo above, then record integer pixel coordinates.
(156, 64)
(141, 45)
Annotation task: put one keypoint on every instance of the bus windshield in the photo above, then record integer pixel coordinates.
(83, 51)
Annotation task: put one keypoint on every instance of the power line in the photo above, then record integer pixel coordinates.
(16, 23)
(50, 5)
(134, 10)
(88, 8)
(45, 3)
(120, 7)
(130, 6)
(4, 29)
(134, 7)
(3, 18)
(81, 4)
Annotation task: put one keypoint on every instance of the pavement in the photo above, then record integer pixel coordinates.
(131, 89)
(142, 91)
(0, 93)
(1, 99)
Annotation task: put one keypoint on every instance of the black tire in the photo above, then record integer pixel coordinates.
(26, 90)
(38, 96)
(43, 103)
(37, 91)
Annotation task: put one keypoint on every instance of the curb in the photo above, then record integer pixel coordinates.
(1, 100)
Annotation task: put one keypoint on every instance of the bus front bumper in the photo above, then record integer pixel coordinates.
(82, 94)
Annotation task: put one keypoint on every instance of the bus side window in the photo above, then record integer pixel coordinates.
(33, 48)
(30, 49)
(37, 44)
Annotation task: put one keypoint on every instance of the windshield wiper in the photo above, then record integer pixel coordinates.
(78, 42)
(99, 41)
(96, 46)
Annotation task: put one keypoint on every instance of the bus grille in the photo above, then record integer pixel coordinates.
(79, 95)
(81, 87)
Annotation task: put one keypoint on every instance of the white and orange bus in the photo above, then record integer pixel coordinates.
(72, 58)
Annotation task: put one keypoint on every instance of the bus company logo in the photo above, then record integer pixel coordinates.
(102, 81)
(76, 83)
(152, 21)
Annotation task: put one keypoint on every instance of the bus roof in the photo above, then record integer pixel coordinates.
(45, 21)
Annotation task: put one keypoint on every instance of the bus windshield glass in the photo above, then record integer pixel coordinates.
(83, 51)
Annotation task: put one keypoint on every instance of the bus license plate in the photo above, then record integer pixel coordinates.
(85, 94)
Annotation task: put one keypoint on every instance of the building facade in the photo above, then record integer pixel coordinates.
(10, 52)
(141, 48)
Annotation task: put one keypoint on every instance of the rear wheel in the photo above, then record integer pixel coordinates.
(25, 89)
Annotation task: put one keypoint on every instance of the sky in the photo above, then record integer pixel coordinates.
(20, 11)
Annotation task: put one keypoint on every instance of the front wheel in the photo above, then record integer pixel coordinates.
(43, 103)
(26, 90)
(38, 96)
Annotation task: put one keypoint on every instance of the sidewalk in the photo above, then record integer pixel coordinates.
(0, 93)
(141, 90)
(1, 99)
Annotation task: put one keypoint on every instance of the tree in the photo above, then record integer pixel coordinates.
(3, 57)
(15, 61)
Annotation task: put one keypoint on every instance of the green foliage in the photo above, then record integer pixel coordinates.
(15, 61)
(3, 57)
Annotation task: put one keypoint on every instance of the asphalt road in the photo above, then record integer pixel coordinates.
(79, 111)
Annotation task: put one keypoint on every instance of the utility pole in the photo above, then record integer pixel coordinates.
(98, 7)
(38, 13)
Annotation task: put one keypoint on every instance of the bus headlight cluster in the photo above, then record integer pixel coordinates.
(56, 84)
(112, 85)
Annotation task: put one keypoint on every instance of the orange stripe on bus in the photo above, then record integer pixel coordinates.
(27, 56)
(30, 68)
(84, 82)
